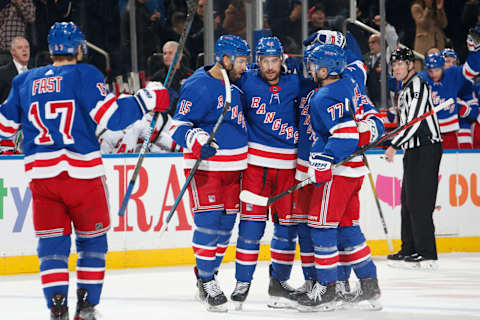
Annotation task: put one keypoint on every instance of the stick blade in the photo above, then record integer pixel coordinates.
(250, 197)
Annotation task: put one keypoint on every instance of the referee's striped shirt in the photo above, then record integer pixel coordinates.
(414, 100)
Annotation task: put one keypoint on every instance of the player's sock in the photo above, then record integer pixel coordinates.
(248, 246)
(326, 254)
(91, 266)
(53, 254)
(306, 251)
(227, 221)
(356, 252)
(205, 239)
(282, 250)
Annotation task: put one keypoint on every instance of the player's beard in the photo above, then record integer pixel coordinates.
(233, 75)
(272, 76)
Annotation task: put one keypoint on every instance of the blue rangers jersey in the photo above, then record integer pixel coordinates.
(334, 132)
(364, 109)
(271, 119)
(201, 101)
(448, 87)
(58, 108)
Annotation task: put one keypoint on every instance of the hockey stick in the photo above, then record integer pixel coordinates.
(372, 184)
(192, 7)
(250, 197)
(228, 100)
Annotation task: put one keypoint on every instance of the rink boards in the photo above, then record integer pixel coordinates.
(134, 240)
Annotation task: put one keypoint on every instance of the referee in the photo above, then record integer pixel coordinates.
(423, 152)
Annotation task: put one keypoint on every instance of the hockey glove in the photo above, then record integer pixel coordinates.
(154, 97)
(367, 130)
(473, 39)
(326, 37)
(320, 169)
(197, 142)
(464, 110)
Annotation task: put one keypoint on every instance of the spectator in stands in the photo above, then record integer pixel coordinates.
(181, 74)
(20, 51)
(171, 31)
(372, 61)
(391, 35)
(284, 18)
(360, 34)
(430, 20)
(317, 19)
(235, 19)
(13, 19)
(194, 42)
(105, 16)
(157, 10)
(146, 38)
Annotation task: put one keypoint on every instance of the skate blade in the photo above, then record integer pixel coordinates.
(281, 303)
(368, 305)
(396, 264)
(237, 305)
(220, 308)
(429, 265)
(324, 307)
(343, 305)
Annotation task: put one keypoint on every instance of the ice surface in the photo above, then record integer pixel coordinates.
(452, 292)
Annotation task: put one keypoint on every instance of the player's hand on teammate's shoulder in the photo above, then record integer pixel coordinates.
(154, 97)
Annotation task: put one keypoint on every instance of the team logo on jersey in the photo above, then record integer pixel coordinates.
(99, 226)
(212, 198)
(275, 97)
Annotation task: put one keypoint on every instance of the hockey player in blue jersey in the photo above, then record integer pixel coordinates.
(467, 104)
(272, 151)
(445, 84)
(215, 187)
(334, 136)
(58, 108)
(370, 127)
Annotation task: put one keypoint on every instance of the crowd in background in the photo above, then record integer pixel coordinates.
(24, 26)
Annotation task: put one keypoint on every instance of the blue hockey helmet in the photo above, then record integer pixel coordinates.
(433, 61)
(328, 56)
(308, 50)
(231, 46)
(448, 52)
(269, 46)
(64, 38)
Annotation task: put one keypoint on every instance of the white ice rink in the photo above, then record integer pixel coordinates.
(452, 292)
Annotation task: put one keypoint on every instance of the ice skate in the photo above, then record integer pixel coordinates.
(395, 260)
(368, 295)
(212, 295)
(416, 261)
(282, 295)
(239, 294)
(343, 295)
(305, 287)
(319, 298)
(59, 309)
(85, 310)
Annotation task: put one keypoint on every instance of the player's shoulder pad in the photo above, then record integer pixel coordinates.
(90, 72)
(321, 97)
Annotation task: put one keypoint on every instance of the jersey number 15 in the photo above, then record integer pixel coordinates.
(65, 109)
